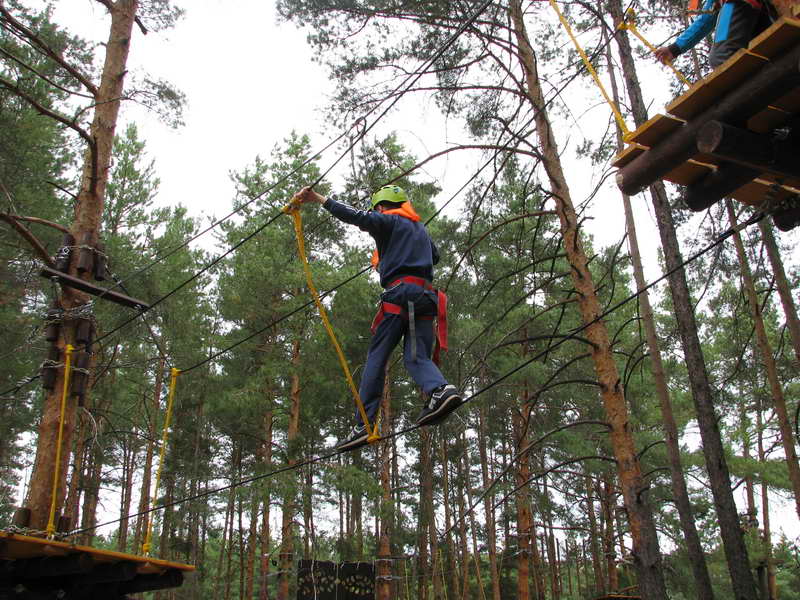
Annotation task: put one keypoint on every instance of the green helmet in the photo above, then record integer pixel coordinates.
(389, 193)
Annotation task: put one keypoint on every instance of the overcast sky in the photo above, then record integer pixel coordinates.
(250, 82)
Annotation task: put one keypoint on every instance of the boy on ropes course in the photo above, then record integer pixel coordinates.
(404, 259)
(736, 22)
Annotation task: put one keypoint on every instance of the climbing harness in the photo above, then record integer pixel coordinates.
(293, 210)
(629, 24)
(51, 521)
(408, 313)
(164, 435)
(626, 133)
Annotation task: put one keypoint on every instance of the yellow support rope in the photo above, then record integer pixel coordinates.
(51, 522)
(164, 435)
(372, 432)
(589, 67)
(629, 23)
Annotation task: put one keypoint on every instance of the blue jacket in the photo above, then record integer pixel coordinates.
(404, 246)
(702, 25)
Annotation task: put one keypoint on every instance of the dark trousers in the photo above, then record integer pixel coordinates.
(422, 369)
(737, 23)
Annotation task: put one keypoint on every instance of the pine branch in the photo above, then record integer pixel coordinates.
(29, 237)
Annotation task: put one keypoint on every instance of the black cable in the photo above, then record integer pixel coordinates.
(315, 459)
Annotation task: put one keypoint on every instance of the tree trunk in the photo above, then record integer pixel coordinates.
(286, 557)
(785, 293)
(594, 536)
(646, 554)
(771, 369)
(772, 586)
(265, 532)
(144, 495)
(680, 492)
(520, 421)
(86, 225)
(488, 506)
(713, 451)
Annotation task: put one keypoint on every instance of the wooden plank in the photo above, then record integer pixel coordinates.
(768, 119)
(777, 38)
(707, 91)
(755, 192)
(95, 290)
(627, 155)
(688, 172)
(17, 546)
(655, 130)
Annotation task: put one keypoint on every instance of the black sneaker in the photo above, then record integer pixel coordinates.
(443, 401)
(356, 439)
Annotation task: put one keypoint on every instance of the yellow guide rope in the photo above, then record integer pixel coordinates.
(629, 23)
(164, 435)
(587, 63)
(290, 209)
(51, 522)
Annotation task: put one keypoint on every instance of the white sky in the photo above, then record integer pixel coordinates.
(250, 82)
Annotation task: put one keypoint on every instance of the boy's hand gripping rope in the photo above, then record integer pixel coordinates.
(164, 435)
(51, 521)
(629, 23)
(293, 210)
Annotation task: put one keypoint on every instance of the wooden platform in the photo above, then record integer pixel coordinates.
(666, 146)
(40, 568)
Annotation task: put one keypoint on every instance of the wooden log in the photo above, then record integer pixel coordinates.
(50, 566)
(148, 583)
(717, 185)
(788, 218)
(772, 82)
(108, 573)
(760, 152)
(95, 290)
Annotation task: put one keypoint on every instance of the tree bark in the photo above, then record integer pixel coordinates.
(772, 586)
(286, 556)
(88, 216)
(680, 493)
(265, 530)
(384, 586)
(522, 474)
(771, 369)
(646, 554)
(785, 293)
(702, 395)
(488, 506)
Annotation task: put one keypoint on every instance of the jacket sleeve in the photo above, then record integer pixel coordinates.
(372, 222)
(699, 28)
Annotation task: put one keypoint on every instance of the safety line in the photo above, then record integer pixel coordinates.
(164, 436)
(294, 211)
(589, 67)
(51, 521)
(629, 24)
(756, 217)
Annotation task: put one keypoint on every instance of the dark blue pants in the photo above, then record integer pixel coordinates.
(737, 23)
(424, 372)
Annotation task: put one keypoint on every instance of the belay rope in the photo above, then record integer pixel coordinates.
(293, 210)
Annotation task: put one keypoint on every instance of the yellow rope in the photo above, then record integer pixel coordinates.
(164, 435)
(617, 114)
(630, 24)
(51, 522)
(372, 432)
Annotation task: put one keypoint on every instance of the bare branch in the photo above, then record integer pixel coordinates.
(38, 221)
(25, 65)
(47, 112)
(46, 50)
(29, 237)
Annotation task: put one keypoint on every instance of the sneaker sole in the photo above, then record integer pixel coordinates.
(352, 444)
(441, 413)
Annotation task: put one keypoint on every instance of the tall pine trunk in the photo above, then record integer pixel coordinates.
(86, 227)
(702, 395)
(646, 554)
(771, 369)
